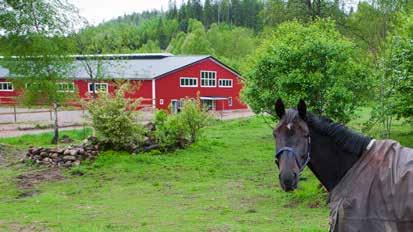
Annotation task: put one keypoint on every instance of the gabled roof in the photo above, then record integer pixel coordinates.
(129, 66)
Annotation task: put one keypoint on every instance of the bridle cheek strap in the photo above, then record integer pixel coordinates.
(291, 151)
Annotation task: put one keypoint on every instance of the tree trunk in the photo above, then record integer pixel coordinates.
(55, 139)
(93, 88)
(310, 9)
(319, 8)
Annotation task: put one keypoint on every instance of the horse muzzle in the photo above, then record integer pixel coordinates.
(288, 181)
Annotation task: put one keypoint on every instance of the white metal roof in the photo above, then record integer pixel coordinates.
(127, 66)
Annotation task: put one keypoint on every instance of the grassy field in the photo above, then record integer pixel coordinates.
(225, 182)
(44, 139)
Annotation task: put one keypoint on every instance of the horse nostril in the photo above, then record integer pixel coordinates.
(289, 181)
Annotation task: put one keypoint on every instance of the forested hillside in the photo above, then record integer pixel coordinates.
(232, 29)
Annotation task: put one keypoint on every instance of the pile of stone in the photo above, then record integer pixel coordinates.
(63, 157)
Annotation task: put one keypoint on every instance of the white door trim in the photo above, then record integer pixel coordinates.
(153, 94)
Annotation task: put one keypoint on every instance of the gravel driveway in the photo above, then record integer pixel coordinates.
(35, 121)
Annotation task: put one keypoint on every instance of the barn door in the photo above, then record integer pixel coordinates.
(174, 106)
(209, 104)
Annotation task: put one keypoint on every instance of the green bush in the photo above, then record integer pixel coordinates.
(313, 62)
(114, 119)
(180, 129)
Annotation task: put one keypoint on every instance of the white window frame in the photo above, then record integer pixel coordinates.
(6, 90)
(189, 78)
(215, 79)
(225, 80)
(96, 90)
(161, 101)
(66, 90)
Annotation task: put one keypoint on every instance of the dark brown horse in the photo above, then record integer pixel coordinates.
(370, 182)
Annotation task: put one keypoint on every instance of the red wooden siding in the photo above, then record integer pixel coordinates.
(167, 87)
(7, 97)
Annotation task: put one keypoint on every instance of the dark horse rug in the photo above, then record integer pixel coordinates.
(376, 194)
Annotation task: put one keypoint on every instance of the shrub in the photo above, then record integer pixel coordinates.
(180, 129)
(114, 119)
(194, 118)
(311, 62)
(169, 132)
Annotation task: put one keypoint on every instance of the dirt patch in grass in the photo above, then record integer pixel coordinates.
(31, 179)
(2, 160)
(10, 155)
(22, 228)
(220, 228)
(292, 204)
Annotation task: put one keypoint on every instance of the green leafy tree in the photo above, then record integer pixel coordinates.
(175, 46)
(232, 44)
(150, 47)
(314, 63)
(209, 16)
(278, 11)
(372, 23)
(172, 10)
(394, 84)
(36, 50)
(196, 41)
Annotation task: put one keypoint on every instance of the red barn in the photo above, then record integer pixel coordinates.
(163, 79)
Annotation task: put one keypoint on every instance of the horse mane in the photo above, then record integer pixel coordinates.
(345, 138)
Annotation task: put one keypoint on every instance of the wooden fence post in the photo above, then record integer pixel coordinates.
(15, 113)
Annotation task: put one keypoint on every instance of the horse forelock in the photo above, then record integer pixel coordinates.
(291, 116)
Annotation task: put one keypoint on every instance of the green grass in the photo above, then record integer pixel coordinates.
(227, 181)
(44, 139)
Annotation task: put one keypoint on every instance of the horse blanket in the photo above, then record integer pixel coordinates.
(376, 194)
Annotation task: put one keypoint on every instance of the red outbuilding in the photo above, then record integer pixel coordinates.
(163, 79)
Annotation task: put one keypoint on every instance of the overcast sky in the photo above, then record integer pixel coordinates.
(97, 11)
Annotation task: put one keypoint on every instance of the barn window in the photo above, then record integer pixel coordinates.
(160, 101)
(6, 86)
(99, 87)
(230, 101)
(225, 83)
(66, 87)
(208, 78)
(189, 82)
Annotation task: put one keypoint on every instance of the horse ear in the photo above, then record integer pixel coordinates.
(279, 108)
(302, 109)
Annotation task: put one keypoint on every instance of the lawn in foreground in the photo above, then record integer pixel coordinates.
(225, 182)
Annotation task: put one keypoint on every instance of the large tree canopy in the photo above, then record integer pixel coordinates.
(35, 49)
(314, 63)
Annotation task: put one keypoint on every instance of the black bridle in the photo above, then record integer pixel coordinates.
(291, 152)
